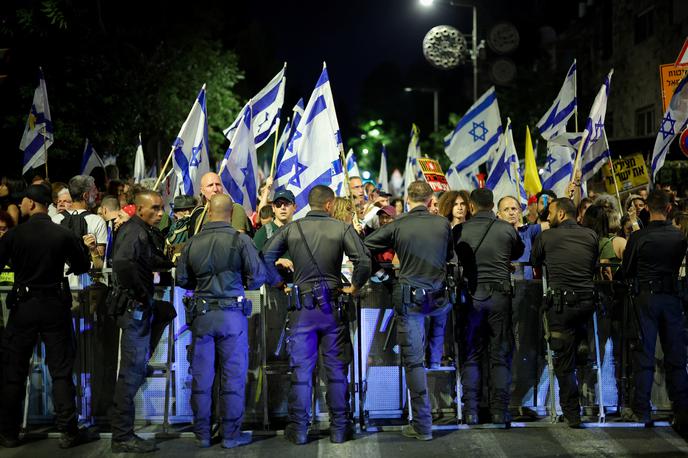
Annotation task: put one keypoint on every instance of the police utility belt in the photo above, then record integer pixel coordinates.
(560, 298)
(320, 295)
(21, 293)
(197, 306)
(666, 285)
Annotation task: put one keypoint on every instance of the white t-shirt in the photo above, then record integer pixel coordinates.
(95, 224)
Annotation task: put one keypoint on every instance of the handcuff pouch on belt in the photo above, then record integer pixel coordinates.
(117, 301)
(427, 300)
(560, 298)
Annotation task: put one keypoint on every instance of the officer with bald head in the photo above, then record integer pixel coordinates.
(217, 263)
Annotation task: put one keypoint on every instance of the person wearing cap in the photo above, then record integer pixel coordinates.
(283, 207)
(39, 304)
(183, 206)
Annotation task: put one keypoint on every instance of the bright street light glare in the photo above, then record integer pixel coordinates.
(426, 2)
(366, 175)
(374, 133)
(365, 151)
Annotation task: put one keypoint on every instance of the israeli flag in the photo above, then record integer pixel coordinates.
(594, 125)
(139, 163)
(412, 170)
(190, 149)
(352, 164)
(90, 159)
(504, 178)
(266, 106)
(382, 177)
(239, 169)
(558, 168)
(476, 136)
(674, 121)
(284, 164)
(318, 147)
(592, 160)
(38, 132)
(554, 121)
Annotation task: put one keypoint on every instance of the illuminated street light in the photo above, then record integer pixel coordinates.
(426, 2)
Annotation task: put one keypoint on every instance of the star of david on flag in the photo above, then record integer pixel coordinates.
(38, 132)
(676, 115)
(190, 148)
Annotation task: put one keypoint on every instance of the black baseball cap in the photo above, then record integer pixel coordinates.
(39, 193)
(284, 195)
(184, 202)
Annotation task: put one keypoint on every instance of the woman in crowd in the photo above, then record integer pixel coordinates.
(453, 205)
(10, 192)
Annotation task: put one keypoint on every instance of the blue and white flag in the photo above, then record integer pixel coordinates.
(352, 164)
(674, 121)
(554, 121)
(382, 177)
(139, 163)
(504, 178)
(190, 149)
(411, 170)
(318, 147)
(38, 132)
(594, 125)
(284, 164)
(239, 169)
(592, 160)
(476, 136)
(558, 168)
(266, 106)
(90, 159)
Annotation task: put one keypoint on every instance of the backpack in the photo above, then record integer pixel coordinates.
(76, 222)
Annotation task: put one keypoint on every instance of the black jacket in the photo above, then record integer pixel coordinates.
(328, 240)
(422, 241)
(492, 261)
(655, 252)
(134, 258)
(218, 261)
(38, 250)
(570, 253)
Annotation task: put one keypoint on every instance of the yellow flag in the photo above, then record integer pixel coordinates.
(531, 178)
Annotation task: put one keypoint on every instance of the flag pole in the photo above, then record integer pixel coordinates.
(164, 167)
(274, 148)
(45, 152)
(611, 166)
(576, 164)
(575, 95)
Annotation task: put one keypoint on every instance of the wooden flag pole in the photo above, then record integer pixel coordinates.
(45, 152)
(274, 149)
(576, 164)
(164, 167)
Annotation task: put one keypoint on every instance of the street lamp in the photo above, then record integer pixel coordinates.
(435, 100)
(475, 47)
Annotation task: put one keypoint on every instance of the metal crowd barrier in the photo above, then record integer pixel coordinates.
(377, 379)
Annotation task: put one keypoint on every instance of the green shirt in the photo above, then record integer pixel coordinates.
(265, 233)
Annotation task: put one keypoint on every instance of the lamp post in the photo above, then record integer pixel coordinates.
(475, 46)
(435, 103)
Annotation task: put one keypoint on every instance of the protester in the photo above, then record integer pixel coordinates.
(453, 205)
(10, 196)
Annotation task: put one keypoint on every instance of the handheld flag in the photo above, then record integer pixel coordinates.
(139, 163)
(286, 159)
(38, 132)
(382, 176)
(411, 170)
(190, 149)
(352, 164)
(675, 120)
(531, 178)
(266, 106)
(90, 159)
(239, 169)
(504, 178)
(554, 121)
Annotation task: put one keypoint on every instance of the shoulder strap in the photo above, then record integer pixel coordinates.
(489, 226)
(310, 253)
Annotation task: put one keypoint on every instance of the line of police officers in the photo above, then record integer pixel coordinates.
(218, 263)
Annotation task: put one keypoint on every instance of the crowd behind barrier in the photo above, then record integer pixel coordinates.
(376, 376)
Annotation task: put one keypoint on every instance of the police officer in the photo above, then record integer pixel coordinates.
(135, 256)
(317, 244)
(652, 260)
(216, 263)
(569, 254)
(40, 305)
(485, 247)
(422, 241)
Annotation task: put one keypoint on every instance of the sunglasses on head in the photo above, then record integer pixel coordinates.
(281, 203)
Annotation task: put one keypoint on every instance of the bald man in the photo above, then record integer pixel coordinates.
(211, 185)
(135, 256)
(216, 263)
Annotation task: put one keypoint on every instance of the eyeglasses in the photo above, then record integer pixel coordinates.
(281, 203)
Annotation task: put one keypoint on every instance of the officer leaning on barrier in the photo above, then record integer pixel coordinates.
(485, 247)
(135, 256)
(422, 241)
(40, 304)
(651, 262)
(569, 254)
(216, 263)
(318, 318)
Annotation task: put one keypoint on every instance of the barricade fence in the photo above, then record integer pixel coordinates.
(378, 389)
